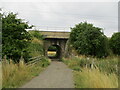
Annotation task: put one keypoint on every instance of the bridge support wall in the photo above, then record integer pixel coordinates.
(59, 42)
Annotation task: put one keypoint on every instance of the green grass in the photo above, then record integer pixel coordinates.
(103, 74)
(107, 65)
(15, 75)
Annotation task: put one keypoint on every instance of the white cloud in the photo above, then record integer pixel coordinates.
(60, 0)
(67, 14)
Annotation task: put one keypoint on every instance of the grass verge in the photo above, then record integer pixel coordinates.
(94, 79)
(94, 73)
(0, 75)
(16, 75)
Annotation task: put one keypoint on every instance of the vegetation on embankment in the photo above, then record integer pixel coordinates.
(93, 72)
(97, 67)
(16, 41)
(17, 74)
(15, 38)
(20, 44)
(0, 75)
(94, 79)
(36, 45)
(89, 40)
(115, 43)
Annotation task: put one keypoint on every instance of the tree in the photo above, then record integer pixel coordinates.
(89, 40)
(115, 43)
(15, 39)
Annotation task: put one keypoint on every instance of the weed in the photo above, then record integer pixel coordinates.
(91, 72)
(94, 79)
(16, 74)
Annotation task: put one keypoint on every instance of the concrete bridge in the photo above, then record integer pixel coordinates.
(56, 39)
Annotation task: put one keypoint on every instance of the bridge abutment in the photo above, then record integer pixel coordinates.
(61, 43)
(58, 39)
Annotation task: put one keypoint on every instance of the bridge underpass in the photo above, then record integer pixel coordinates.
(56, 40)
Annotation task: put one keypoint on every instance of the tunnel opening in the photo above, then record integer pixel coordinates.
(54, 52)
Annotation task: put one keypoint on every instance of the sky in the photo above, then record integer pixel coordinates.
(56, 15)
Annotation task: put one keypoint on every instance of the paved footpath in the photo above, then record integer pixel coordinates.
(57, 75)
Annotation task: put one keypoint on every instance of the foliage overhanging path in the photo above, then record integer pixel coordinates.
(57, 75)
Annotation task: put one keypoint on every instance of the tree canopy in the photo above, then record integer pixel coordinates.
(15, 39)
(115, 43)
(89, 40)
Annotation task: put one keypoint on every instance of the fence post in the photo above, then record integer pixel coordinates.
(21, 62)
(5, 60)
(92, 64)
(116, 67)
(87, 60)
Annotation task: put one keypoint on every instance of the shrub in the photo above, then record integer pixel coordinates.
(35, 47)
(36, 34)
(89, 40)
(115, 43)
(15, 39)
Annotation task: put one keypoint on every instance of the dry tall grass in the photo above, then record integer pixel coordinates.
(15, 75)
(103, 74)
(0, 75)
(94, 79)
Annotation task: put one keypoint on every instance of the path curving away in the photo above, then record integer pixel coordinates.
(57, 75)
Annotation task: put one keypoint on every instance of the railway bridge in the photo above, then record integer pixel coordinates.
(56, 39)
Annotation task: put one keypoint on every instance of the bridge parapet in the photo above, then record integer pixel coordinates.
(59, 35)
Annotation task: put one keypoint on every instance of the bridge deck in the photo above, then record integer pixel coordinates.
(60, 35)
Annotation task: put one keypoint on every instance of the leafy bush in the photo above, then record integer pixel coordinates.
(89, 40)
(115, 43)
(45, 62)
(36, 34)
(15, 39)
(35, 48)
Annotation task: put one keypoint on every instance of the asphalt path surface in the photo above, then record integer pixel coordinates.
(56, 75)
